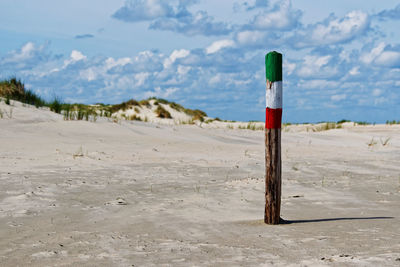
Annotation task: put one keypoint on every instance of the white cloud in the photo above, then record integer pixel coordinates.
(215, 79)
(375, 52)
(26, 52)
(382, 56)
(338, 97)
(88, 74)
(179, 54)
(248, 6)
(281, 26)
(183, 70)
(288, 67)
(377, 92)
(344, 56)
(354, 71)
(141, 78)
(199, 23)
(140, 10)
(333, 30)
(281, 17)
(171, 16)
(269, 27)
(251, 37)
(388, 59)
(74, 57)
(111, 62)
(338, 30)
(26, 57)
(176, 54)
(345, 28)
(314, 66)
(158, 92)
(380, 100)
(218, 45)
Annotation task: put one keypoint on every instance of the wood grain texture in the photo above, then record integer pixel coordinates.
(273, 180)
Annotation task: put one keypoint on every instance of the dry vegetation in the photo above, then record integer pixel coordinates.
(163, 113)
(14, 89)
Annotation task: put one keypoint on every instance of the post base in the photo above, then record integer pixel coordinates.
(281, 221)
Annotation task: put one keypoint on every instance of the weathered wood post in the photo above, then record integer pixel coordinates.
(273, 120)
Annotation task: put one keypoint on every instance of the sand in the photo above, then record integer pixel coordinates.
(76, 193)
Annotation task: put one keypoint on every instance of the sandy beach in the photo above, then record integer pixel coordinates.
(77, 193)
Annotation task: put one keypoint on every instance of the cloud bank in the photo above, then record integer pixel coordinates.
(171, 16)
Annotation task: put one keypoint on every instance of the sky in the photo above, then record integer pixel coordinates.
(341, 59)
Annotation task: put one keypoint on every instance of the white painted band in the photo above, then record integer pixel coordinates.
(274, 95)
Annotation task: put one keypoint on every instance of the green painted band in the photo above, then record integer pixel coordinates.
(273, 66)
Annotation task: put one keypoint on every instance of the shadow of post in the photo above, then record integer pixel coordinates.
(282, 221)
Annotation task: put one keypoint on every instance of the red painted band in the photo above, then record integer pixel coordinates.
(273, 118)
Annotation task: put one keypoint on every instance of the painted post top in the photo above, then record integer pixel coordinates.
(273, 66)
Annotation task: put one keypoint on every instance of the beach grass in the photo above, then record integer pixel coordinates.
(162, 113)
(14, 89)
(392, 122)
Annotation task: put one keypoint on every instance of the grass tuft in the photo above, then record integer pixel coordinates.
(145, 103)
(385, 142)
(196, 114)
(325, 126)
(372, 142)
(14, 89)
(176, 106)
(363, 123)
(392, 122)
(252, 126)
(56, 105)
(162, 101)
(162, 113)
(124, 105)
(135, 118)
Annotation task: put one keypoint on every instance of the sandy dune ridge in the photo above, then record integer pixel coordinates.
(77, 193)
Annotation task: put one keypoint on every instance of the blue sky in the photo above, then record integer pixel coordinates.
(341, 58)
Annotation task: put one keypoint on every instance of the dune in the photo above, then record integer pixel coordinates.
(134, 193)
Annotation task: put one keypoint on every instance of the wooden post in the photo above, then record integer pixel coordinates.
(273, 120)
